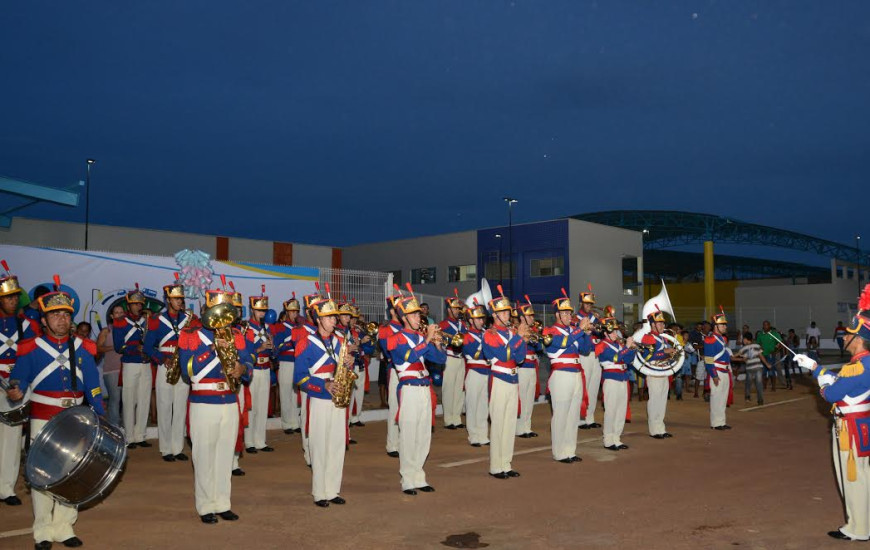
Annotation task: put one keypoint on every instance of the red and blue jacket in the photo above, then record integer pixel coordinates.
(257, 334)
(384, 332)
(717, 355)
(162, 336)
(505, 351)
(452, 327)
(472, 349)
(657, 344)
(615, 359)
(283, 342)
(566, 347)
(850, 392)
(202, 369)
(128, 336)
(43, 372)
(13, 329)
(316, 359)
(592, 320)
(408, 351)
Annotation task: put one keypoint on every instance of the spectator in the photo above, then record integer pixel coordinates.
(813, 331)
(839, 336)
(424, 307)
(813, 349)
(689, 361)
(752, 358)
(111, 367)
(769, 340)
(794, 342)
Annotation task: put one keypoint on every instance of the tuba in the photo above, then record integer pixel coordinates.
(483, 296)
(220, 319)
(643, 361)
(173, 370)
(343, 380)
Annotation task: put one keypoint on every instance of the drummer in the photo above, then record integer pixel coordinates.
(61, 376)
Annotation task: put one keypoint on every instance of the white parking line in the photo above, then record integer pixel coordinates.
(16, 533)
(774, 404)
(523, 452)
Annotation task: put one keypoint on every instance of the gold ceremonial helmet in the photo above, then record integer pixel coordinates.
(499, 303)
(324, 307)
(237, 299)
(525, 309)
(406, 305)
(345, 308)
(217, 297)
(453, 302)
(477, 312)
(718, 318)
(610, 324)
(659, 317)
(56, 301)
(563, 304)
(135, 296)
(587, 298)
(356, 312)
(292, 304)
(174, 291)
(9, 285)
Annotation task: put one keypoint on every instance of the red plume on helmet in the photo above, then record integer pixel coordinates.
(57, 282)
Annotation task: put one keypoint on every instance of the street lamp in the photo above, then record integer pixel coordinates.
(510, 202)
(90, 162)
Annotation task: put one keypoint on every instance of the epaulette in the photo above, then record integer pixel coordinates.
(120, 323)
(89, 345)
(153, 322)
(852, 369)
(25, 346)
(709, 339)
(188, 339)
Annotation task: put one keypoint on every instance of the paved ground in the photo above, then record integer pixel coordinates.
(768, 483)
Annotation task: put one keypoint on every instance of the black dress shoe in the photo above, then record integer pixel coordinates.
(410, 491)
(666, 434)
(585, 426)
(524, 436)
(209, 518)
(266, 449)
(594, 425)
(478, 444)
(566, 460)
(337, 500)
(512, 473)
(612, 448)
(720, 428)
(44, 545)
(533, 434)
(726, 426)
(12, 501)
(460, 426)
(251, 450)
(238, 472)
(229, 515)
(426, 489)
(181, 456)
(658, 436)
(351, 441)
(839, 535)
(500, 475)
(394, 454)
(298, 430)
(321, 503)
(450, 427)
(576, 459)
(360, 425)
(622, 446)
(129, 446)
(289, 431)
(144, 444)
(73, 542)
(168, 458)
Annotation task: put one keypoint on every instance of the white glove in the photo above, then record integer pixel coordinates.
(826, 379)
(804, 362)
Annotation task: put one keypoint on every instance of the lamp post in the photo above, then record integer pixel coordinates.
(510, 202)
(498, 236)
(90, 162)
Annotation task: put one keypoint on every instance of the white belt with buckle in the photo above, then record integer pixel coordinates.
(504, 370)
(211, 386)
(263, 360)
(62, 402)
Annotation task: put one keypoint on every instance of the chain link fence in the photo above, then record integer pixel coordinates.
(368, 288)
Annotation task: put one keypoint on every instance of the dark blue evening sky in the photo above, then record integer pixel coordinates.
(355, 121)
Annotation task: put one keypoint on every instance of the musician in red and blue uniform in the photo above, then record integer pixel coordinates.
(566, 384)
(57, 372)
(285, 349)
(503, 347)
(365, 348)
(452, 394)
(409, 349)
(326, 425)
(390, 379)
(128, 336)
(476, 378)
(615, 357)
(307, 326)
(214, 410)
(591, 366)
(14, 328)
(160, 343)
(259, 335)
(717, 360)
(657, 386)
(849, 392)
(528, 373)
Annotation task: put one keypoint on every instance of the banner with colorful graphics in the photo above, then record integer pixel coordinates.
(100, 280)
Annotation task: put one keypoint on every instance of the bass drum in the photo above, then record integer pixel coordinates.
(76, 457)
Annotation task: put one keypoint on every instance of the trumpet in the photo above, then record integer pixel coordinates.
(536, 337)
(372, 329)
(441, 337)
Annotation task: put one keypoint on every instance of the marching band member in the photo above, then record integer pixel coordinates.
(503, 347)
(366, 348)
(160, 345)
(452, 393)
(849, 392)
(244, 394)
(384, 332)
(60, 372)
(308, 326)
(14, 328)
(128, 336)
(259, 335)
(717, 359)
(215, 410)
(568, 344)
(476, 378)
(346, 332)
(408, 349)
(326, 424)
(657, 385)
(591, 366)
(528, 373)
(615, 358)
(285, 347)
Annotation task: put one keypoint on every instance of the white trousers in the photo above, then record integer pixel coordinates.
(10, 458)
(452, 397)
(566, 394)
(213, 432)
(477, 407)
(592, 369)
(657, 404)
(255, 432)
(415, 435)
(358, 395)
(503, 403)
(719, 399)
(327, 429)
(171, 413)
(528, 377)
(52, 521)
(393, 402)
(615, 403)
(306, 446)
(855, 493)
(288, 396)
(136, 398)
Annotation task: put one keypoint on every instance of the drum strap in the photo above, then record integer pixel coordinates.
(72, 363)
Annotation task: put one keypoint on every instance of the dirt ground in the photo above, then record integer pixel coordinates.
(768, 483)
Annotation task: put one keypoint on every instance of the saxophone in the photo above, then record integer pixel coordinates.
(220, 319)
(173, 369)
(342, 382)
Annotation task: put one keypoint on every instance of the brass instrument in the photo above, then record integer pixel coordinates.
(372, 329)
(536, 337)
(441, 337)
(643, 362)
(343, 380)
(173, 370)
(220, 319)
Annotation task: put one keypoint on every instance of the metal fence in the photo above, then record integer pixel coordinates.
(368, 288)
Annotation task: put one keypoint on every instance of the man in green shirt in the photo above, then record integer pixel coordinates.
(769, 339)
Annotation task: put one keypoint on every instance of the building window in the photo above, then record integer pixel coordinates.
(491, 269)
(547, 267)
(423, 276)
(458, 273)
(839, 272)
(397, 276)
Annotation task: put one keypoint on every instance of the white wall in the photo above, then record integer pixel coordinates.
(250, 250)
(310, 255)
